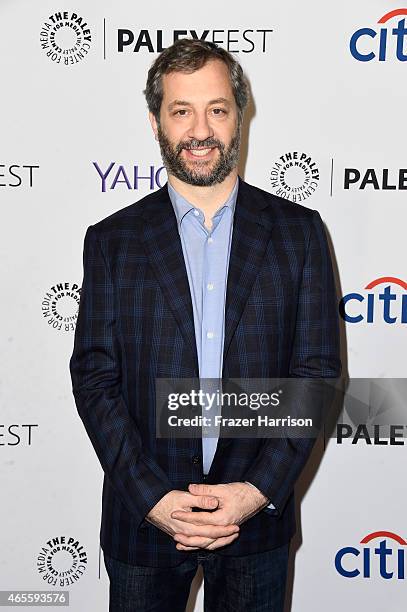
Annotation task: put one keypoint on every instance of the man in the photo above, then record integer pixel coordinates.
(207, 277)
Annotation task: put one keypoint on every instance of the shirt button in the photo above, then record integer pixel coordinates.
(210, 239)
(196, 212)
(210, 334)
(196, 459)
(209, 286)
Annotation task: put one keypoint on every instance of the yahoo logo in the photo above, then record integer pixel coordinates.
(382, 305)
(365, 48)
(113, 176)
(391, 562)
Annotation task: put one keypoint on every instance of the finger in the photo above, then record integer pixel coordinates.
(219, 542)
(207, 531)
(198, 541)
(201, 518)
(206, 502)
(203, 489)
(181, 547)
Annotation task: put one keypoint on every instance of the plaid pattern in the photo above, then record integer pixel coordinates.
(135, 323)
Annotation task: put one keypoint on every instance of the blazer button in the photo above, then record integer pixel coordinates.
(196, 459)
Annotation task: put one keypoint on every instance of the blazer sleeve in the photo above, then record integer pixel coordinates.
(96, 384)
(315, 354)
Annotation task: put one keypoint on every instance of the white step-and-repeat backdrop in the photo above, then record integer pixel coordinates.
(326, 130)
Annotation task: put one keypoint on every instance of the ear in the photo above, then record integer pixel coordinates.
(154, 125)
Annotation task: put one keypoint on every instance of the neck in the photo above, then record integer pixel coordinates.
(208, 199)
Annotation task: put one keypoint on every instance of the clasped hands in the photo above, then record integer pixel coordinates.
(232, 504)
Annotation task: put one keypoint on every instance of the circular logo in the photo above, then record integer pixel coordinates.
(60, 306)
(294, 176)
(65, 38)
(62, 561)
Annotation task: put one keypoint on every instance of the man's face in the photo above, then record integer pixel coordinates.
(198, 132)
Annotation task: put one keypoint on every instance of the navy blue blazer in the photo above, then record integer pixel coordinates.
(135, 323)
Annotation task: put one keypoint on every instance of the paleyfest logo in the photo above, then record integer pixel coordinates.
(154, 41)
(389, 305)
(17, 175)
(381, 43)
(385, 558)
(66, 38)
(370, 178)
(294, 176)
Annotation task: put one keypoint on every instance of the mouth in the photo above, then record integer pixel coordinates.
(200, 153)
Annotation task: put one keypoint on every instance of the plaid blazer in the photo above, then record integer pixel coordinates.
(135, 323)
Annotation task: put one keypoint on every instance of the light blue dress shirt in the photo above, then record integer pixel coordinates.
(206, 254)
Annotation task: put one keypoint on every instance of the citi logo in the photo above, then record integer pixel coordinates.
(385, 561)
(367, 44)
(388, 305)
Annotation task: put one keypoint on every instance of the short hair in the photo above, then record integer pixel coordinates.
(188, 55)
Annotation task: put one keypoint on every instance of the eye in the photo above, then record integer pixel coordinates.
(181, 112)
(219, 111)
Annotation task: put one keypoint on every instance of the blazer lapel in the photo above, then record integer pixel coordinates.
(251, 233)
(162, 244)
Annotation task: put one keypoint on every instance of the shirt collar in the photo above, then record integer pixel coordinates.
(182, 206)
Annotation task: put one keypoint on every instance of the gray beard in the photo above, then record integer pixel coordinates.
(228, 159)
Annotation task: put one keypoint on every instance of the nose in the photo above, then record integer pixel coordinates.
(200, 128)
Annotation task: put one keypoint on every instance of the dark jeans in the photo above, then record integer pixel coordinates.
(252, 583)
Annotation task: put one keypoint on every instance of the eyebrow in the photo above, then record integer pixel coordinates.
(186, 103)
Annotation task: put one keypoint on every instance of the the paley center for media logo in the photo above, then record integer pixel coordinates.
(62, 561)
(60, 306)
(294, 176)
(66, 38)
(383, 41)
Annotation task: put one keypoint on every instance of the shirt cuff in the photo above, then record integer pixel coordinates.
(270, 505)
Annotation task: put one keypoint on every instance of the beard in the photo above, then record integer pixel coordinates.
(201, 173)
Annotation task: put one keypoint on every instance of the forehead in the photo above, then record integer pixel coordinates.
(209, 82)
